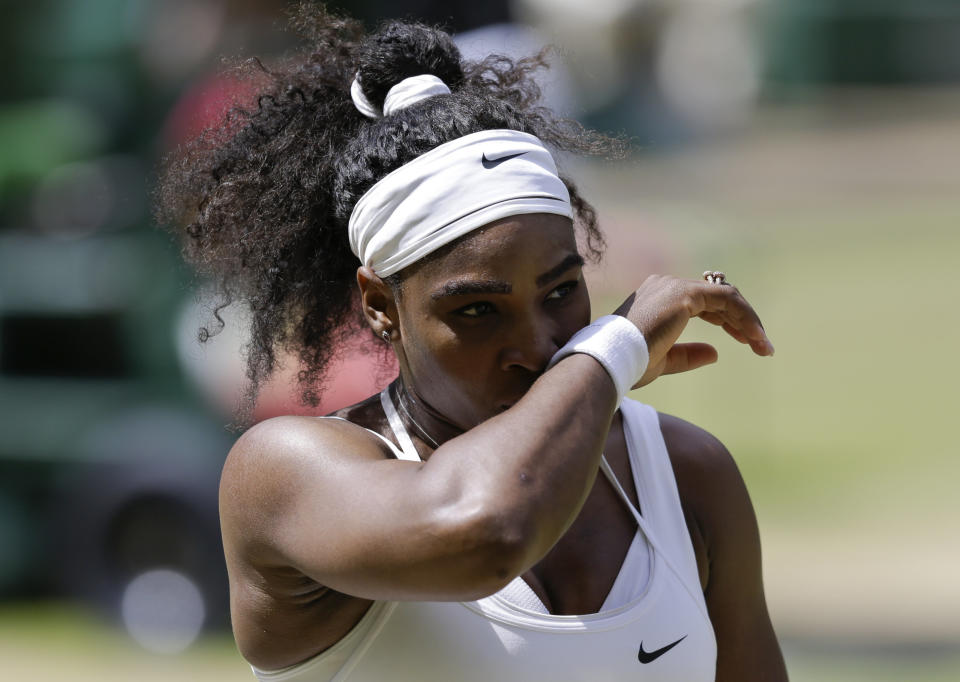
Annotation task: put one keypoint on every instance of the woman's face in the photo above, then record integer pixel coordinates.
(479, 323)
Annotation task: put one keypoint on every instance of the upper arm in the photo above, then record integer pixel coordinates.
(324, 497)
(711, 486)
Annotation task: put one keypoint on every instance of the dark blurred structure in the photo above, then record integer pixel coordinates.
(859, 42)
(456, 16)
(109, 460)
(109, 452)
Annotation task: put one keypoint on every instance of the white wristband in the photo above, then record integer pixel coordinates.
(615, 343)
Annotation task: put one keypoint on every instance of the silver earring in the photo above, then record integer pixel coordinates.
(385, 335)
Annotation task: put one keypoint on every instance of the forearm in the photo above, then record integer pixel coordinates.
(487, 504)
(519, 479)
(531, 467)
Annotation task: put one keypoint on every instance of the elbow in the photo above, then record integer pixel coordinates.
(495, 547)
(505, 555)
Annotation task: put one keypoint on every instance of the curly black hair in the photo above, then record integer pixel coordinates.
(262, 201)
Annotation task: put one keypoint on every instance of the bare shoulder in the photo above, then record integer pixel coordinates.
(726, 539)
(714, 497)
(691, 446)
(284, 484)
(274, 462)
(707, 475)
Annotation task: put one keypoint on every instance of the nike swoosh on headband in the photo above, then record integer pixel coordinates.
(441, 196)
(649, 657)
(493, 163)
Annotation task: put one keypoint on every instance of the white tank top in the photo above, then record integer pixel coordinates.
(653, 626)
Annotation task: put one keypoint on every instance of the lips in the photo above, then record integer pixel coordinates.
(507, 404)
(513, 397)
(514, 393)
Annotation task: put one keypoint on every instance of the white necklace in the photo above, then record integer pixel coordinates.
(423, 431)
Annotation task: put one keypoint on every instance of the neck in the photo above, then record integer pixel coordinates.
(424, 422)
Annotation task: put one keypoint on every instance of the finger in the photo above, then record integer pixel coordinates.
(726, 301)
(760, 346)
(735, 333)
(721, 321)
(714, 318)
(683, 357)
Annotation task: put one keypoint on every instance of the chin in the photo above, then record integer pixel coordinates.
(483, 414)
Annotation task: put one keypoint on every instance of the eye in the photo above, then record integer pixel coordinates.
(563, 290)
(478, 309)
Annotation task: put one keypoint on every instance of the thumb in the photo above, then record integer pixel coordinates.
(683, 357)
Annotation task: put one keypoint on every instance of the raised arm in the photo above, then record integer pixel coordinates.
(323, 497)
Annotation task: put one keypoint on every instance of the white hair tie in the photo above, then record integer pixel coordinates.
(407, 92)
(361, 102)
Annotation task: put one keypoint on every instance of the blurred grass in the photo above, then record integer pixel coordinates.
(811, 666)
(845, 242)
(855, 405)
(50, 643)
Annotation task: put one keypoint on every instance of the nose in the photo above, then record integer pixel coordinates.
(530, 346)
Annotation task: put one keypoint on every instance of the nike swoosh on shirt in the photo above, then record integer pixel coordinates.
(650, 656)
(493, 163)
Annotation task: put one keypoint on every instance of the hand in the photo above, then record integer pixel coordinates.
(663, 305)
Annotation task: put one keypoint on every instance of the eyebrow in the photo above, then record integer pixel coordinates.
(573, 260)
(471, 287)
(466, 287)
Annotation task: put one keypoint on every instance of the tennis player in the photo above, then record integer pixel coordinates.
(501, 511)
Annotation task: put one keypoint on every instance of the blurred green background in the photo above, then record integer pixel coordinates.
(808, 148)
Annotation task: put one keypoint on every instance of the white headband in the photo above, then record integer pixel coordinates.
(405, 93)
(451, 190)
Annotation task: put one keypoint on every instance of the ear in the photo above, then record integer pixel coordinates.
(378, 303)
